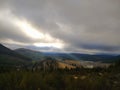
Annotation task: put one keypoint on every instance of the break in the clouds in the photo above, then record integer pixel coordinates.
(85, 26)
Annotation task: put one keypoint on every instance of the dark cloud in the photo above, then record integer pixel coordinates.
(101, 47)
(43, 49)
(83, 25)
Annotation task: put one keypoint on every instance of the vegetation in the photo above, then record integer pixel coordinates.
(61, 79)
(34, 55)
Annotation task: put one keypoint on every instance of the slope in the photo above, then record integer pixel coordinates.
(10, 57)
(34, 55)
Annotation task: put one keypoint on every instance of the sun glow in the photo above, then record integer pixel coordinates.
(55, 45)
(29, 30)
(32, 32)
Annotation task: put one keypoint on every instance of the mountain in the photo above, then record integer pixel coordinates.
(47, 65)
(12, 58)
(48, 60)
(84, 57)
(95, 58)
(34, 55)
(62, 56)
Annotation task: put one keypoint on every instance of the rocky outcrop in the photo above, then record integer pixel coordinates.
(46, 65)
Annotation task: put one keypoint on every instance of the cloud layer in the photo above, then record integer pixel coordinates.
(86, 26)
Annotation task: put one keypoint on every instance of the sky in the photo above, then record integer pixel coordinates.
(81, 26)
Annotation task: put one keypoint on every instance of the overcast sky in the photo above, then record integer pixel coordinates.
(85, 26)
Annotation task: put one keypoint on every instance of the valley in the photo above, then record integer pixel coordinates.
(24, 69)
(63, 60)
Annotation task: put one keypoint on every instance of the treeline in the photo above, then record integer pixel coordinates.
(61, 79)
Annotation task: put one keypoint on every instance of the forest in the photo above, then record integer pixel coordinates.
(61, 79)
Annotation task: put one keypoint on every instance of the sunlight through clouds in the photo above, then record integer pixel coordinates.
(29, 30)
(35, 34)
(43, 39)
(56, 45)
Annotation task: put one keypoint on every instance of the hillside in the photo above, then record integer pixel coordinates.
(52, 64)
(34, 55)
(6, 51)
(11, 58)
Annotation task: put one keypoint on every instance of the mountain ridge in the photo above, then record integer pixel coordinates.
(34, 55)
(9, 57)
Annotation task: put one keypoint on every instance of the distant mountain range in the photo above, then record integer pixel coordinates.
(84, 57)
(35, 55)
(71, 60)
